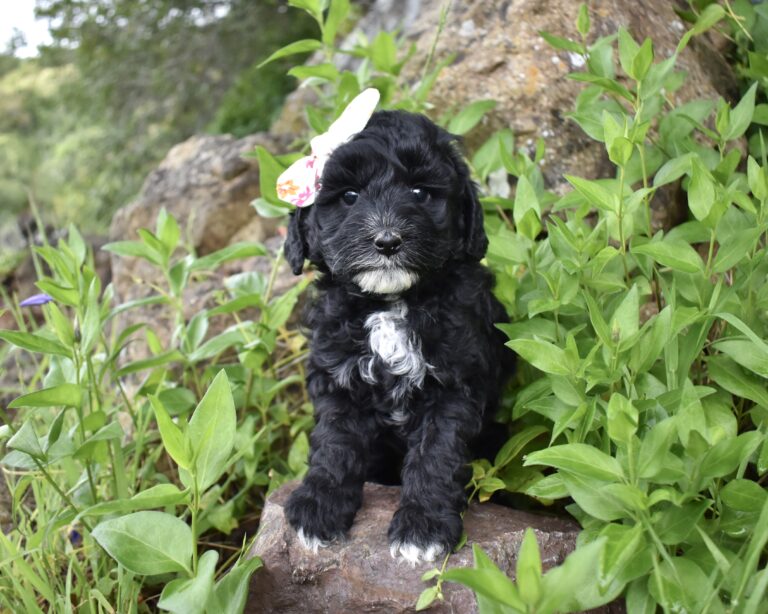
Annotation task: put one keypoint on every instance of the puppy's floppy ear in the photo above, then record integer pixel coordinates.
(295, 247)
(475, 239)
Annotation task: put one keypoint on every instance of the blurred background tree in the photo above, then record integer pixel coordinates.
(123, 81)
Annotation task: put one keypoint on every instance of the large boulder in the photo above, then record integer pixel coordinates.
(359, 575)
(207, 185)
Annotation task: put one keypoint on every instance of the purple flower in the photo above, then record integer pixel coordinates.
(75, 538)
(37, 299)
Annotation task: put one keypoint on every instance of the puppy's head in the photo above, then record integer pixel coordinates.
(396, 205)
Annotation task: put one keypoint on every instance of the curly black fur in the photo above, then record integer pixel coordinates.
(415, 416)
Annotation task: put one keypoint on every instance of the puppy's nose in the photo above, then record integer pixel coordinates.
(387, 242)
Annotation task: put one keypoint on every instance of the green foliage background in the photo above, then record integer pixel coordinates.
(122, 82)
(651, 431)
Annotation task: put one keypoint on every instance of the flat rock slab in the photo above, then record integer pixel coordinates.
(359, 575)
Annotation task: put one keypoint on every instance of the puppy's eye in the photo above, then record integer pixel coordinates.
(349, 197)
(420, 194)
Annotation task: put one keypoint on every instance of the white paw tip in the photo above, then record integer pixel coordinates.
(310, 542)
(413, 553)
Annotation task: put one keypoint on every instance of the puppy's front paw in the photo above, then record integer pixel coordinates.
(418, 535)
(317, 517)
(415, 554)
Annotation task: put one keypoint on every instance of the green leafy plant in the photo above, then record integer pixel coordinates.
(657, 424)
(117, 493)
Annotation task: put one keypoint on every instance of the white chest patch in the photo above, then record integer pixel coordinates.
(396, 346)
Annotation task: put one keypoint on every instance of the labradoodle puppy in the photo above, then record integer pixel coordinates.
(406, 366)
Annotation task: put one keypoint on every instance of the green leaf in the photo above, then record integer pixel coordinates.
(620, 151)
(25, 440)
(34, 343)
(269, 170)
(563, 43)
(135, 249)
(147, 543)
(111, 431)
(579, 459)
(575, 586)
(337, 13)
(236, 251)
(268, 209)
(548, 487)
(744, 496)
(741, 326)
(652, 342)
(211, 432)
(189, 596)
(174, 441)
(673, 169)
(594, 193)
(298, 454)
(590, 495)
(582, 21)
(709, 17)
(690, 414)
(701, 191)
(746, 353)
(735, 249)
(655, 448)
(753, 554)
(674, 524)
(61, 325)
(643, 60)
(609, 85)
(159, 495)
(323, 72)
(673, 253)
(234, 337)
(516, 443)
(149, 363)
(728, 375)
(741, 115)
(543, 355)
(622, 419)
(469, 116)
(488, 581)
(301, 46)
(66, 395)
(427, 597)
(626, 318)
(168, 231)
(726, 455)
(383, 52)
(231, 592)
(757, 178)
(528, 570)
(628, 49)
(680, 585)
(526, 210)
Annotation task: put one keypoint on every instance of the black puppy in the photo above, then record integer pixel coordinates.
(406, 365)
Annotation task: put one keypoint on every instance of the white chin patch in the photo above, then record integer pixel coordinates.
(309, 542)
(386, 281)
(413, 554)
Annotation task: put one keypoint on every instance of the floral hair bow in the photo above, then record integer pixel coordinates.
(300, 182)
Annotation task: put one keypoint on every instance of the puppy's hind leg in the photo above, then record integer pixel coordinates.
(323, 507)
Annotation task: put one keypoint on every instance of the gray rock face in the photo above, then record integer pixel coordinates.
(206, 184)
(359, 575)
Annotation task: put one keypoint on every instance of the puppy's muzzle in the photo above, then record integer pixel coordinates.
(387, 242)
